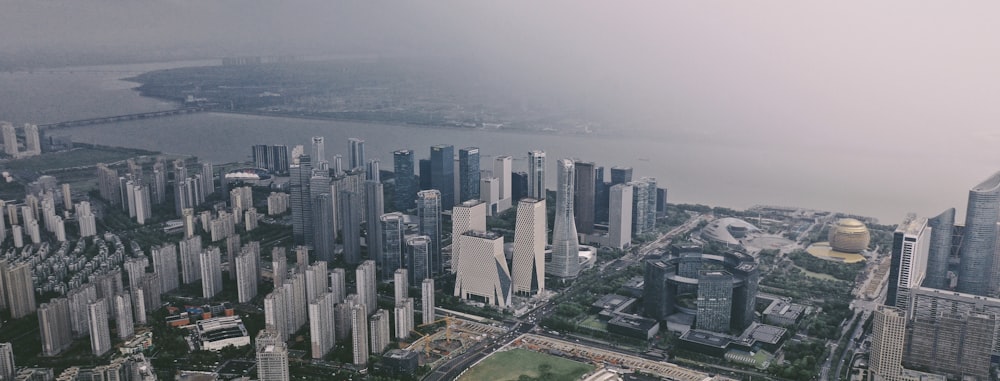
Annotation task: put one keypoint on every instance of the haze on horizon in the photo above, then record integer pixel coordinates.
(910, 80)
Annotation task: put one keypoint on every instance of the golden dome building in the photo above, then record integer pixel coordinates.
(849, 236)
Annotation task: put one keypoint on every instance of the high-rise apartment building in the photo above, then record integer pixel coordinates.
(357, 153)
(979, 243)
(272, 158)
(404, 318)
(9, 139)
(123, 316)
(365, 279)
(359, 334)
(620, 216)
(350, 208)
(55, 326)
(19, 287)
(372, 171)
(7, 369)
(321, 325)
(584, 195)
(400, 285)
(427, 300)
(211, 272)
(469, 215)
(442, 173)
(190, 250)
(100, 335)
(429, 207)
(272, 357)
(379, 332)
(246, 276)
(468, 173)
(530, 233)
(888, 334)
(482, 274)
(338, 286)
(536, 175)
(317, 280)
(565, 261)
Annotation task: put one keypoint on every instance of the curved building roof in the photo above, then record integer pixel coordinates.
(722, 230)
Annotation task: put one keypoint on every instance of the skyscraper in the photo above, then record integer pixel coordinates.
(583, 204)
(190, 249)
(207, 178)
(324, 226)
(318, 149)
(400, 285)
(338, 286)
(211, 272)
(392, 246)
(910, 245)
(301, 204)
(482, 274)
(100, 335)
(418, 257)
(372, 171)
(565, 245)
(424, 170)
(427, 300)
(518, 185)
(979, 243)
(350, 208)
(317, 280)
(279, 266)
(621, 175)
(32, 144)
(357, 152)
(123, 316)
(468, 173)
(502, 171)
(406, 182)
(888, 334)
(359, 333)
(404, 318)
(7, 369)
(246, 276)
(530, 230)
(272, 356)
(536, 175)
(469, 215)
(365, 279)
(443, 174)
(620, 216)
(9, 139)
(374, 209)
(429, 206)
(940, 248)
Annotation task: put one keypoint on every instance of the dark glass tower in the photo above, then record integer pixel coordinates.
(429, 217)
(979, 244)
(406, 182)
(583, 201)
(468, 174)
(300, 201)
(940, 248)
(621, 175)
(443, 173)
(425, 174)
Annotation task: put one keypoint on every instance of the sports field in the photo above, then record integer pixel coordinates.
(511, 365)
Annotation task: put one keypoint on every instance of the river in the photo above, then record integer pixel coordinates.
(877, 178)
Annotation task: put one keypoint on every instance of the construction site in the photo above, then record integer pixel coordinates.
(448, 336)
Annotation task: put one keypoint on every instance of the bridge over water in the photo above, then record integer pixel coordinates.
(122, 118)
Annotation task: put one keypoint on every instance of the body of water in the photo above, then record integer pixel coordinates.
(883, 177)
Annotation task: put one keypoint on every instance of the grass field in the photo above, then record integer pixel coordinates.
(75, 158)
(511, 365)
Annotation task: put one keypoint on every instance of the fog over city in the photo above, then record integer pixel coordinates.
(888, 81)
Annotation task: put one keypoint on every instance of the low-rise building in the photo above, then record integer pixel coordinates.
(217, 333)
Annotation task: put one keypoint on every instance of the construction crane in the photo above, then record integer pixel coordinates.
(447, 331)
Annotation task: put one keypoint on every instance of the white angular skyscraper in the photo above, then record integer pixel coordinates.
(482, 269)
(502, 170)
(536, 175)
(469, 215)
(530, 229)
(565, 245)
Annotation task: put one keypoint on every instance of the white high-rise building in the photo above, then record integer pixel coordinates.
(536, 175)
(530, 230)
(359, 333)
(502, 171)
(489, 192)
(565, 262)
(357, 153)
(316, 280)
(888, 335)
(87, 220)
(9, 139)
(32, 144)
(427, 300)
(246, 276)
(379, 331)
(321, 325)
(55, 326)
(275, 316)
(190, 250)
(404, 318)
(318, 149)
(482, 269)
(620, 216)
(7, 369)
(401, 285)
(123, 316)
(338, 285)
(365, 277)
(211, 272)
(165, 264)
(469, 215)
(272, 357)
(914, 238)
(100, 335)
(279, 266)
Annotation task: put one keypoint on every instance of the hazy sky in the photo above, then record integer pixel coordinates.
(873, 70)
